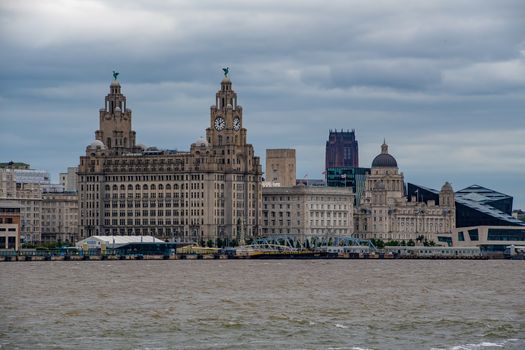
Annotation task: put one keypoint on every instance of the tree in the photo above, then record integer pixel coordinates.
(209, 243)
(411, 243)
(379, 243)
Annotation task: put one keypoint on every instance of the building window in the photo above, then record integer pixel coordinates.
(473, 235)
(506, 235)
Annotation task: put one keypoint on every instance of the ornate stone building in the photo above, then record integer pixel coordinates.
(211, 191)
(386, 213)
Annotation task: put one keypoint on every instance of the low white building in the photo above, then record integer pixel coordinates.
(491, 239)
(95, 242)
(308, 211)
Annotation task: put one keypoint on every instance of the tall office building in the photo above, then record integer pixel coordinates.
(212, 191)
(341, 150)
(280, 166)
(69, 179)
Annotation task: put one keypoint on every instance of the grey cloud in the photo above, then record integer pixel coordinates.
(407, 74)
(433, 77)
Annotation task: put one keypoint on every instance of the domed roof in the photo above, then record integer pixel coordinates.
(384, 160)
(142, 146)
(201, 141)
(226, 80)
(97, 144)
(115, 83)
(117, 109)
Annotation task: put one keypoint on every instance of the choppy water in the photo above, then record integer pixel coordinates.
(283, 304)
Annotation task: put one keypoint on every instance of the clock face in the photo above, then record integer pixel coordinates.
(236, 124)
(219, 123)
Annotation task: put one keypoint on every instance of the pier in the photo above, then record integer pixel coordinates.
(303, 255)
(270, 247)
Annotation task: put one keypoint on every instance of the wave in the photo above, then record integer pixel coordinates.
(480, 345)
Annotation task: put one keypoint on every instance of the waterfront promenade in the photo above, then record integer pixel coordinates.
(293, 256)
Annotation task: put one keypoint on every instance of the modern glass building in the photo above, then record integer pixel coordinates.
(348, 177)
(475, 205)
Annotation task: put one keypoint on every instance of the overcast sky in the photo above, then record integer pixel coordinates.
(442, 81)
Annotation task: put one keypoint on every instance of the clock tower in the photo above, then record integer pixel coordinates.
(226, 132)
(226, 118)
(241, 173)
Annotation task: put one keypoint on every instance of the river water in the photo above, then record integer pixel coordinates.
(271, 304)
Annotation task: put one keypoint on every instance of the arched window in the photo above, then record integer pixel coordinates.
(122, 187)
(137, 187)
(145, 187)
(130, 188)
(107, 187)
(168, 187)
(161, 187)
(153, 187)
(114, 187)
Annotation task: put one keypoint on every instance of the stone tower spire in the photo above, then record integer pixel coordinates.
(226, 121)
(115, 122)
(384, 147)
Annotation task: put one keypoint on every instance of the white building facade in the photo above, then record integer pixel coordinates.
(303, 211)
(59, 216)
